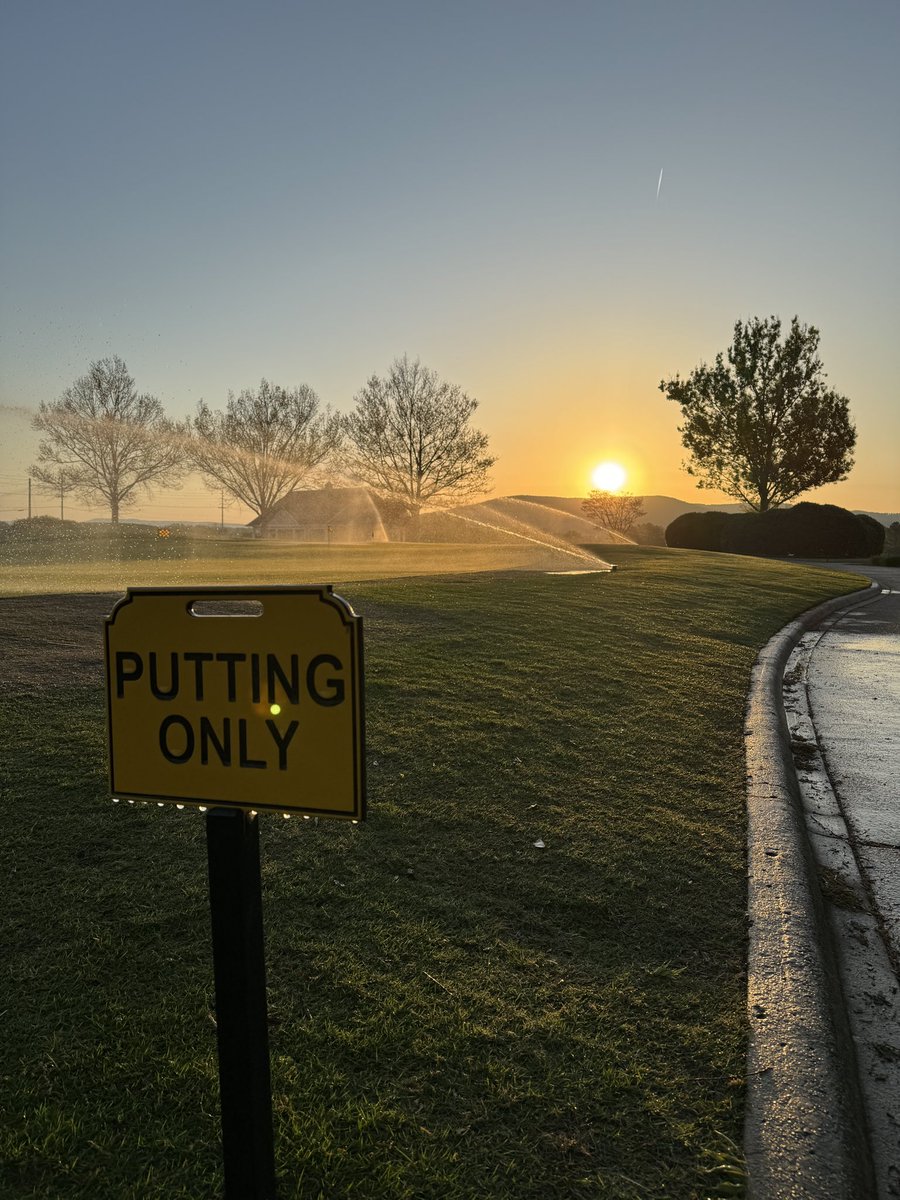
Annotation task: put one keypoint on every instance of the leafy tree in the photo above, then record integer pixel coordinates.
(762, 426)
(265, 443)
(409, 437)
(618, 511)
(106, 440)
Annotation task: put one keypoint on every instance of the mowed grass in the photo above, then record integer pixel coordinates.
(265, 562)
(455, 1012)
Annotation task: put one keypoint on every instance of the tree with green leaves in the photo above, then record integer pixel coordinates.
(106, 441)
(760, 424)
(264, 444)
(409, 437)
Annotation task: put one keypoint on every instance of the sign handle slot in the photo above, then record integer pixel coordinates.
(225, 608)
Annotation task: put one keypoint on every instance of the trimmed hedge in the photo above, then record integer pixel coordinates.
(875, 533)
(805, 531)
(697, 530)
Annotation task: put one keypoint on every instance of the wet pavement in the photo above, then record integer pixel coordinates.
(842, 700)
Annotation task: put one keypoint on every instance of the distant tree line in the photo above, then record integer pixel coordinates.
(409, 438)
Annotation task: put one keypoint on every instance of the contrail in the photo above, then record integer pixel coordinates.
(659, 185)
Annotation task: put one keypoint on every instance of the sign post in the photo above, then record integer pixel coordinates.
(242, 1034)
(236, 701)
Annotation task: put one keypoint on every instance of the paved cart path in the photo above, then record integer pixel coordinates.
(852, 675)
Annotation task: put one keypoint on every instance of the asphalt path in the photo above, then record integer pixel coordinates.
(851, 788)
(854, 686)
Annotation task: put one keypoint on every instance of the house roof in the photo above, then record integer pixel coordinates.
(322, 506)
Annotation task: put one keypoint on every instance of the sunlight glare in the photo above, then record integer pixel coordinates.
(608, 476)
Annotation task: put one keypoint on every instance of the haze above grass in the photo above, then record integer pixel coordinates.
(252, 562)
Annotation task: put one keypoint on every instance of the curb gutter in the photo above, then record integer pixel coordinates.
(804, 1134)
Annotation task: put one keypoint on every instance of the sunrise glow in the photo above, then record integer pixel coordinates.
(608, 476)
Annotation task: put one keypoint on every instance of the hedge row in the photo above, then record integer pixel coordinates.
(805, 530)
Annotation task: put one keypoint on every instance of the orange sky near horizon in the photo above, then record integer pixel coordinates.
(551, 447)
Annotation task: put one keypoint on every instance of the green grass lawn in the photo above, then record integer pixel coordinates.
(236, 561)
(455, 1013)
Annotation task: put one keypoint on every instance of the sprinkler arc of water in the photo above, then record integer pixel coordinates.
(597, 563)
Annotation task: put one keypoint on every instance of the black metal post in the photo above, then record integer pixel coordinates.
(245, 1088)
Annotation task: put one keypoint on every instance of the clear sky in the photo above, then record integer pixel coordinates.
(222, 191)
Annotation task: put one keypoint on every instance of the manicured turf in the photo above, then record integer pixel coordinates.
(163, 564)
(455, 1013)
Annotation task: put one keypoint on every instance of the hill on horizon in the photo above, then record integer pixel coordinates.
(659, 510)
(662, 510)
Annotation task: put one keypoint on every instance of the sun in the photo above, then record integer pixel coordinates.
(609, 476)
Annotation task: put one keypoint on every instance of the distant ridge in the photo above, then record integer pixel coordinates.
(661, 510)
(884, 518)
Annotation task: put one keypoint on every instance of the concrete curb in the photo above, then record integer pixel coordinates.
(804, 1133)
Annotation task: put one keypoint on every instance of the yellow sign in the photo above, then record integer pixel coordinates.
(229, 696)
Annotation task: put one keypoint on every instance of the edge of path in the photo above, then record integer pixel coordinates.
(804, 1130)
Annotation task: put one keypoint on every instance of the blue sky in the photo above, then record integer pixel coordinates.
(219, 192)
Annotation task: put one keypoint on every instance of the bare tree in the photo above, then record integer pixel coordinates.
(58, 480)
(409, 437)
(265, 443)
(107, 440)
(618, 511)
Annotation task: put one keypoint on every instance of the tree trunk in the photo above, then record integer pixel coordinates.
(114, 510)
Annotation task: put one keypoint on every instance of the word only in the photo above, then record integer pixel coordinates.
(200, 676)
